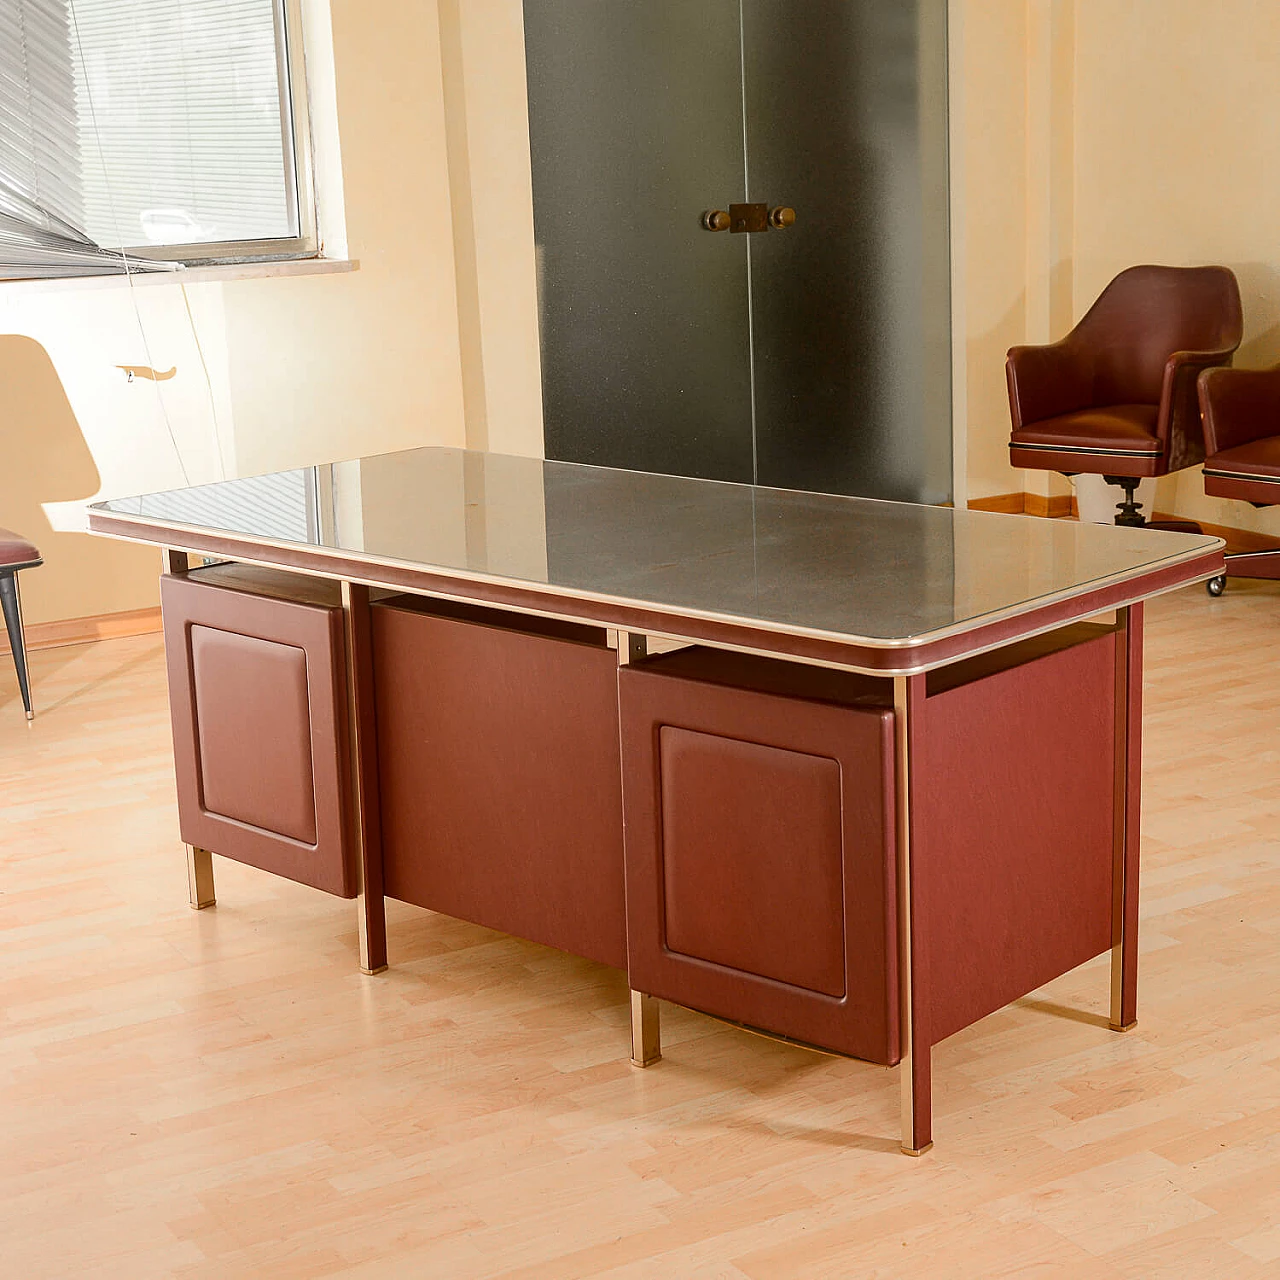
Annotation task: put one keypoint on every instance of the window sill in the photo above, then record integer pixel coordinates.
(217, 273)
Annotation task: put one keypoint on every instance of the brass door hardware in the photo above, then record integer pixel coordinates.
(749, 218)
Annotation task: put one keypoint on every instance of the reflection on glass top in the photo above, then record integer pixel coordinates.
(851, 567)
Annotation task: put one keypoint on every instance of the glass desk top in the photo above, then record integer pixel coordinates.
(880, 573)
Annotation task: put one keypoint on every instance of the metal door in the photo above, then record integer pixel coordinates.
(635, 114)
(815, 356)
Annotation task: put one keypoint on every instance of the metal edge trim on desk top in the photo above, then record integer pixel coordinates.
(823, 648)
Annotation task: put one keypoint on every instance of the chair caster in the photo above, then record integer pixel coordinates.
(1216, 586)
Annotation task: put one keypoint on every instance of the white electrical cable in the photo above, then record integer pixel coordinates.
(208, 382)
(124, 257)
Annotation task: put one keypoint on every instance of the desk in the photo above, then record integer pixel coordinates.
(851, 772)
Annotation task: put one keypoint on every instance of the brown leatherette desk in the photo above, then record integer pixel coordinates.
(854, 773)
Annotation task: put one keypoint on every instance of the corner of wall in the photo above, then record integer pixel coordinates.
(326, 144)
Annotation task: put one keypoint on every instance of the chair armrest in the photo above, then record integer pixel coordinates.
(1047, 381)
(1239, 406)
(1178, 424)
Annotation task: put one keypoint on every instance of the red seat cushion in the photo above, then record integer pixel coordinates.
(16, 550)
(1257, 458)
(1248, 472)
(1117, 426)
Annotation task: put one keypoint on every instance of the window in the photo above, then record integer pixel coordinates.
(167, 129)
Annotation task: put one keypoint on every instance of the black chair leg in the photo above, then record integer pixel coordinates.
(1128, 512)
(13, 623)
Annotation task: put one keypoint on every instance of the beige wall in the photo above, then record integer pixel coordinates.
(50, 462)
(325, 367)
(1098, 134)
(989, 160)
(1178, 161)
(487, 120)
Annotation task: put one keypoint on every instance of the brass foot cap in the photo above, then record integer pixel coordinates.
(31, 715)
(382, 968)
(1126, 1026)
(646, 1062)
(201, 906)
(917, 1151)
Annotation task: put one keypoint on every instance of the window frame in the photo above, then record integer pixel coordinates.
(299, 173)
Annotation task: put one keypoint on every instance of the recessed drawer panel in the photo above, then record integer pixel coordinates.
(735, 815)
(760, 847)
(257, 697)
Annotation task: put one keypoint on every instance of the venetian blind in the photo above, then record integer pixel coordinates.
(41, 199)
(281, 505)
(183, 121)
(127, 124)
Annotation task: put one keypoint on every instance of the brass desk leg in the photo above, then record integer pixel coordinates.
(199, 861)
(199, 877)
(1125, 826)
(917, 1117)
(646, 1030)
(371, 917)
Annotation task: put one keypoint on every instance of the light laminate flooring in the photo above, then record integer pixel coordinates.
(223, 1094)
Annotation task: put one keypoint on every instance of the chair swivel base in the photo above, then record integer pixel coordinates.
(1129, 512)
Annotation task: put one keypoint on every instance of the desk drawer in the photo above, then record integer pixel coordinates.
(760, 847)
(259, 716)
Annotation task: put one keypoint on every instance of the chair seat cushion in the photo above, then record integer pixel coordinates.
(16, 550)
(1259, 458)
(1130, 428)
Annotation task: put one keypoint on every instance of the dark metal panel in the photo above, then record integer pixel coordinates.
(846, 123)
(635, 119)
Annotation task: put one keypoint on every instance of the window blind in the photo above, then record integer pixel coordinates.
(183, 121)
(281, 505)
(41, 198)
(126, 124)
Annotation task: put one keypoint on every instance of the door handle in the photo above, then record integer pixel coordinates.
(749, 218)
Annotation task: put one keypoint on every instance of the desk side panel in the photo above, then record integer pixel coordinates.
(1013, 818)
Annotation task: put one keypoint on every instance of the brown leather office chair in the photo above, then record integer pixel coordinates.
(1241, 410)
(1117, 396)
(16, 553)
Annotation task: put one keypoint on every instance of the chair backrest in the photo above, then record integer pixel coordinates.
(1146, 314)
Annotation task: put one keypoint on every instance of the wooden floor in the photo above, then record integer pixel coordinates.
(223, 1094)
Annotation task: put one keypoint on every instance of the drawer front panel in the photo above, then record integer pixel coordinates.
(259, 725)
(760, 859)
(752, 862)
(253, 728)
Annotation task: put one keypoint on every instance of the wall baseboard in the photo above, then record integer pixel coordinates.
(1236, 539)
(1008, 504)
(1033, 504)
(102, 626)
